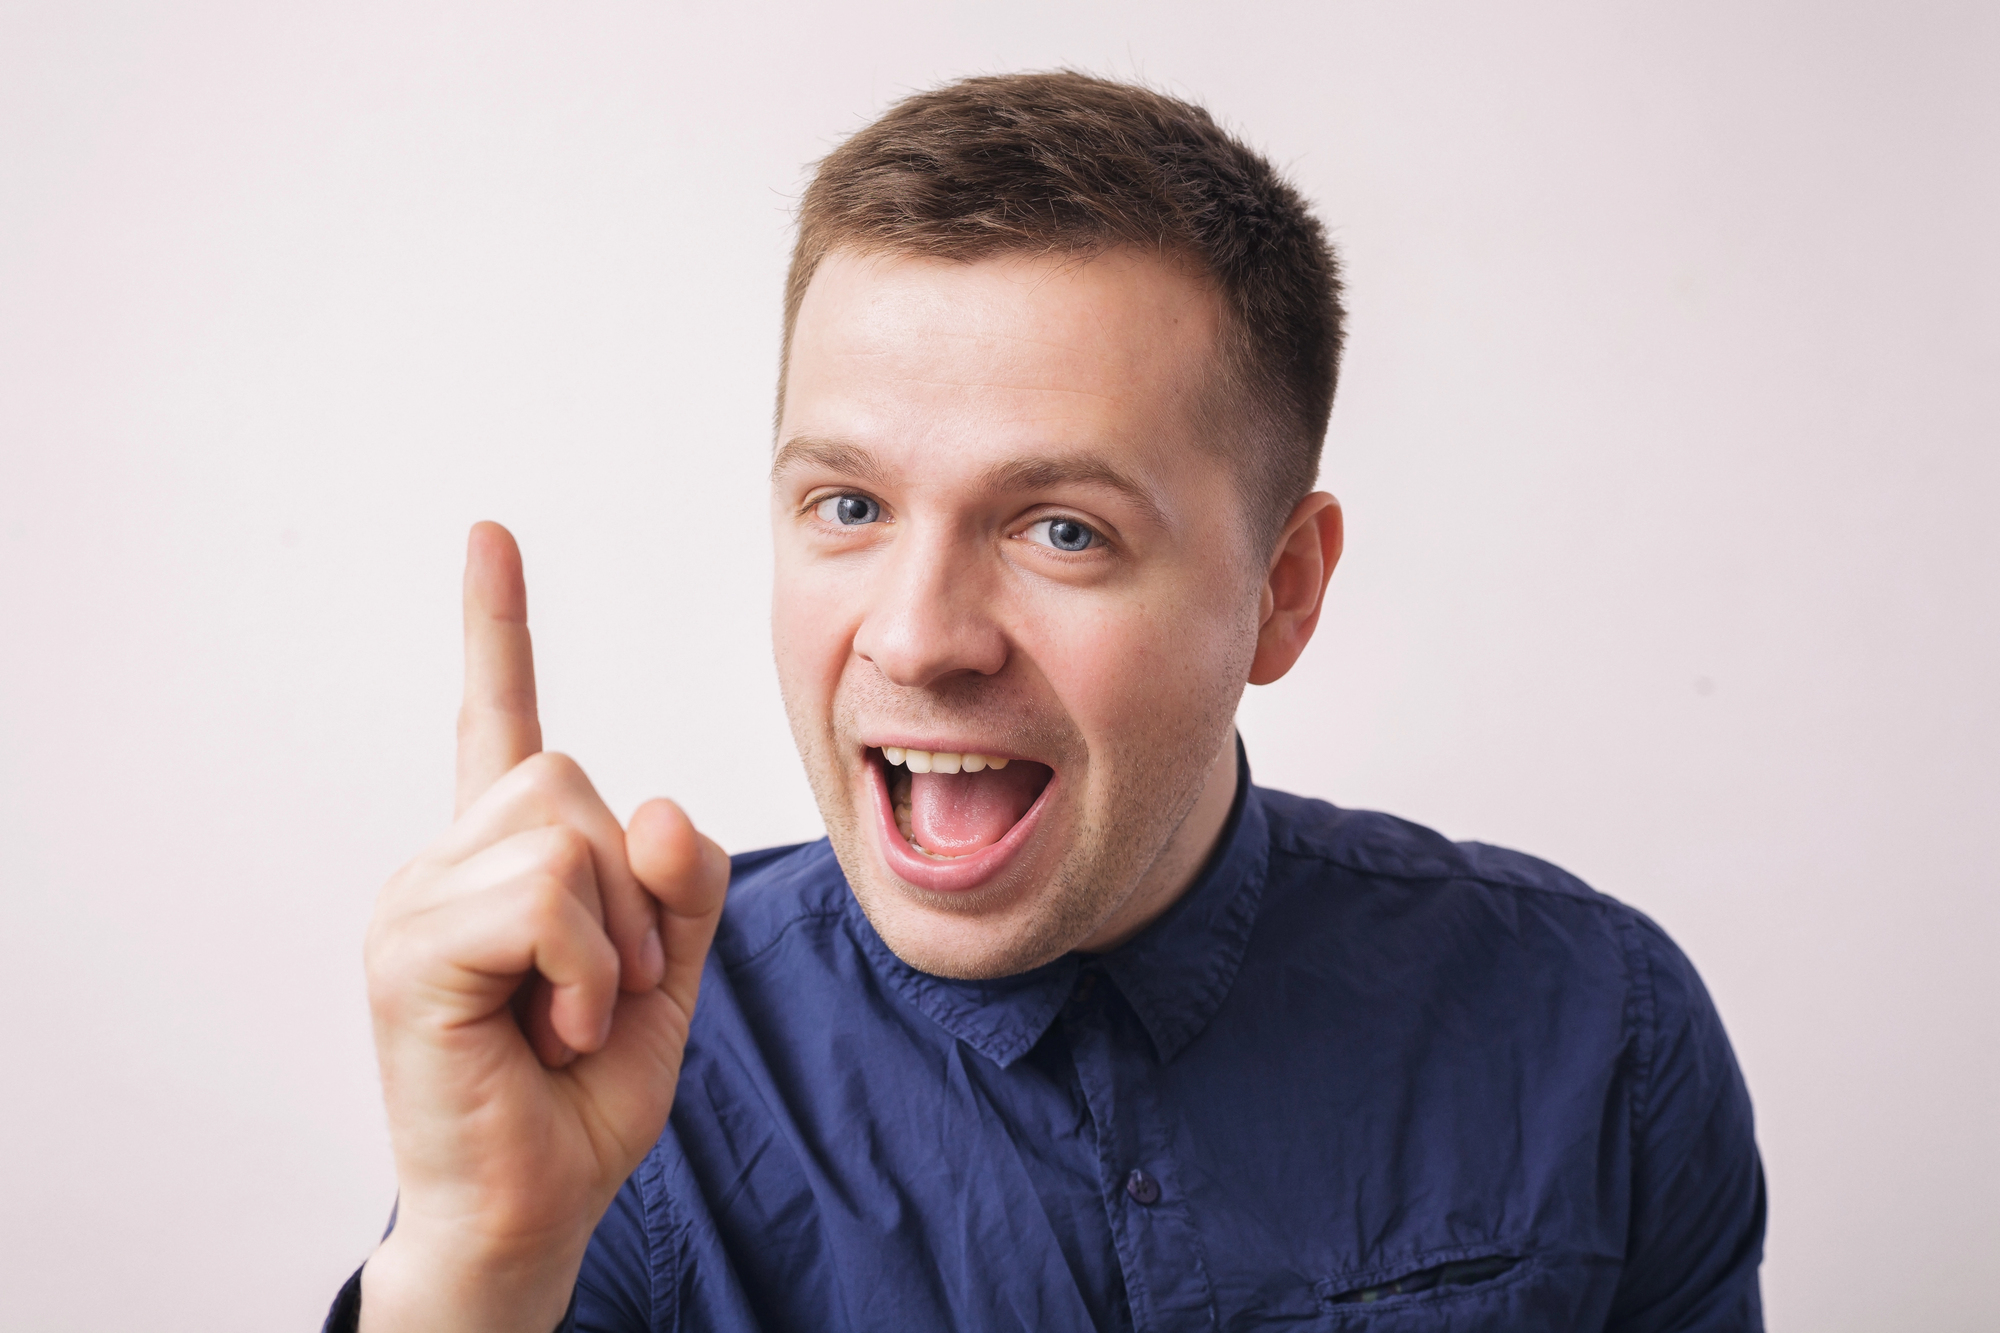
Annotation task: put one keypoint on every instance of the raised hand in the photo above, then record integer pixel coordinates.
(531, 976)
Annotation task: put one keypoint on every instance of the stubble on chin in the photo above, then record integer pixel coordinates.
(1129, 805)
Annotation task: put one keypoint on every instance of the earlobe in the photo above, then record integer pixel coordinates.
(1295, 586)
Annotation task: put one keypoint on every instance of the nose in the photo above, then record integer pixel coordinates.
(930, 613)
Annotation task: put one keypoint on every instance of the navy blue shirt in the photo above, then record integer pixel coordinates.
(1358, 1077)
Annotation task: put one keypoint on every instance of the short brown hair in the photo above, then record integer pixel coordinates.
(1066, 163)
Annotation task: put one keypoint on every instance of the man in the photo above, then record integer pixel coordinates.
(1064, 1025)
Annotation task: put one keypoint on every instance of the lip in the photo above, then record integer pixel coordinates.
(959, 874)
(936, 747)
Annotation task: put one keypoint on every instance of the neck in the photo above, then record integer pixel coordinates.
(1186, 852)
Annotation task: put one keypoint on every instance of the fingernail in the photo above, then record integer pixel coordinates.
(604, 1031)
(653, 956)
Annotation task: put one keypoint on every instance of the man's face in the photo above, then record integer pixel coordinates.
(998, 536)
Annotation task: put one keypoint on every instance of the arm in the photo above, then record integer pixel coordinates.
(1697, 1228)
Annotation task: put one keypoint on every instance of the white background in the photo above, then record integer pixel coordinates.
(1667, 438)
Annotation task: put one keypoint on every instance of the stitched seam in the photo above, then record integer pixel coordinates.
(1243, 913)
(1592, 900)
(1201, 1266)
(1646, 1032)
(663, 1270)
(731, 965)
(1107, 1136)
(939, 1004)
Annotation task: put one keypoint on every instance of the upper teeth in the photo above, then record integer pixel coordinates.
(941, 761)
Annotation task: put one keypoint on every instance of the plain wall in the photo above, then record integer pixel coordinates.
(1667, 440)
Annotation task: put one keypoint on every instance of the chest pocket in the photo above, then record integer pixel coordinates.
(1452, 1291)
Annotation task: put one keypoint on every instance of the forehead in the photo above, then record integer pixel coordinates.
(907, 355)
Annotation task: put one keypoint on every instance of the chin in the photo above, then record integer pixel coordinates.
(999, 899)
(965, 948)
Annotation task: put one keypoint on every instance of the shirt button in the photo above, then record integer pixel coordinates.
(1142, 1187)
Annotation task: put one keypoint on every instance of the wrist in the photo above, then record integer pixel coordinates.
(452, 1284)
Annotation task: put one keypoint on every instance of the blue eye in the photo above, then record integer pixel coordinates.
(1064, 534)
(848, 510)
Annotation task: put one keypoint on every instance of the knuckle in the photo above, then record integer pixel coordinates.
(552, 770)
(550, 784)
(545, 902)
(534, 777)
(604, 963)
(568, 856)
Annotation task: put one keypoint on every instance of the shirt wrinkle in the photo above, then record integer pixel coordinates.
(1351, 1048)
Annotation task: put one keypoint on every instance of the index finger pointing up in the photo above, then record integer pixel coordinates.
(497, 725)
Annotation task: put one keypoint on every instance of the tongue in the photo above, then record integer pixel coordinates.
(955, 814)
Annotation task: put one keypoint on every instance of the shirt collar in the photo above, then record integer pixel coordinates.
(1175, 973)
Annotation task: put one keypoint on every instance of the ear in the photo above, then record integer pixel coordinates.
(1295, 585)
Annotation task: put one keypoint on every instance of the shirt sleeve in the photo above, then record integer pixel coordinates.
(345, 1316)
(614, 1292)
(1697, 1225)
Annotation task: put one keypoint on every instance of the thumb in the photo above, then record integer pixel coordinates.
(689, 875)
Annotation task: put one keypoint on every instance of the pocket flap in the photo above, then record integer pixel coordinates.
(1419, 1273)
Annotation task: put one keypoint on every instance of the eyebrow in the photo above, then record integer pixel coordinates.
(831, 455)
(1014, 474)
(1038, 474)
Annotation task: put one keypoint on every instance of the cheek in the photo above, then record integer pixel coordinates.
(810, 638)
(1148, 666)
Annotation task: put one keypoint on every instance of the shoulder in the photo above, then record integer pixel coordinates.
(1362, 881)
(1376, 845)
(1356, 851)
(773, 893)
(1392, 888)
(1419, 920)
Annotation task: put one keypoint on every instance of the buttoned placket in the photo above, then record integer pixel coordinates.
(1152, 1225)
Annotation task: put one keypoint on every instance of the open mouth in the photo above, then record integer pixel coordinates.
(949, 820)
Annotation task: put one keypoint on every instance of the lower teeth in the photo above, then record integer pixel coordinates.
(899, 799)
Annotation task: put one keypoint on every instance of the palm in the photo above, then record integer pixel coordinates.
(550, 1143)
